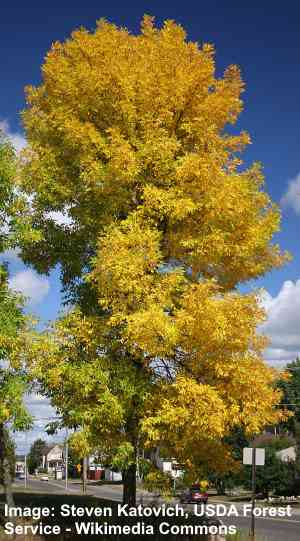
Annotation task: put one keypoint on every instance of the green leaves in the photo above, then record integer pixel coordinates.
(13, 381)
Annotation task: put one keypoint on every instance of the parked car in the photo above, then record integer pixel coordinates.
(44, 478)
(194, 495)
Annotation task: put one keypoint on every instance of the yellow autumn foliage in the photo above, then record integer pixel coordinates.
(128, 133)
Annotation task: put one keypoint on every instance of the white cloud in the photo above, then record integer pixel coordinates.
(24, 440)
(17, 139)
(292, 196)
(40, 408)
(43, 414)
(31, 285)
(283, 323)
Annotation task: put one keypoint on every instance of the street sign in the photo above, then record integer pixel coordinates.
(248, 456)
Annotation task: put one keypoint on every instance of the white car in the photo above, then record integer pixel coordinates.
(44, 478)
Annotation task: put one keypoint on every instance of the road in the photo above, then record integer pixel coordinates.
(107, 492)
(268, 529)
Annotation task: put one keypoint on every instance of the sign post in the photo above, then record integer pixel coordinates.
(84, 475)
(253, 457)
(66, 459)
(66, 464)
(25, 472)
(252, 530)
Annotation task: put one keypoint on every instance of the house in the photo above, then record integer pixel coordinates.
(287, 455)
(110, 475)
(95, 470)
(20, 465)
(53, 458)
(169, 466)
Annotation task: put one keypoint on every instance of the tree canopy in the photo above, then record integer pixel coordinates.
(144, 131)
(290, 386)
(12, 319)
(13, 379)
(35, 455)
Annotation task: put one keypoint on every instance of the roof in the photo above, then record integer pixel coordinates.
(48, 448)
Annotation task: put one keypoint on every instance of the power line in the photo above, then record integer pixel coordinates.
(296, 404)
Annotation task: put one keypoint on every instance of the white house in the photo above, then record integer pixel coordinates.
(53, 458)
(287, 455)
(20, 465)
(171, 467)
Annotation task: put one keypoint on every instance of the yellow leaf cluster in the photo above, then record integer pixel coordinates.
(129, 133)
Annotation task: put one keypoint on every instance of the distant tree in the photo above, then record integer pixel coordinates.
(73, 460)
(13, 333)
(274, 442)
(13, 382)
(228, 480)
(35, 455)
(297, 471)
(289, 384)
(275, 477)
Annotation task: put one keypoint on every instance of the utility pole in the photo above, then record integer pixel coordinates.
(66, 460)
(25, 471)
(252, 532)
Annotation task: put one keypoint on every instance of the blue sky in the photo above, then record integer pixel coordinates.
(262, 38)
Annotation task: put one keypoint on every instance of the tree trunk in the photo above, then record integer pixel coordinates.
(129, 485)
(84, 475)
(5, 467)
(220, 485)
(132, 436)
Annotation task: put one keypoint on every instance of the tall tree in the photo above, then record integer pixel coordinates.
(13, 381)
(289, 384)
(161, 223)
(35, 455)
(12, 321)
